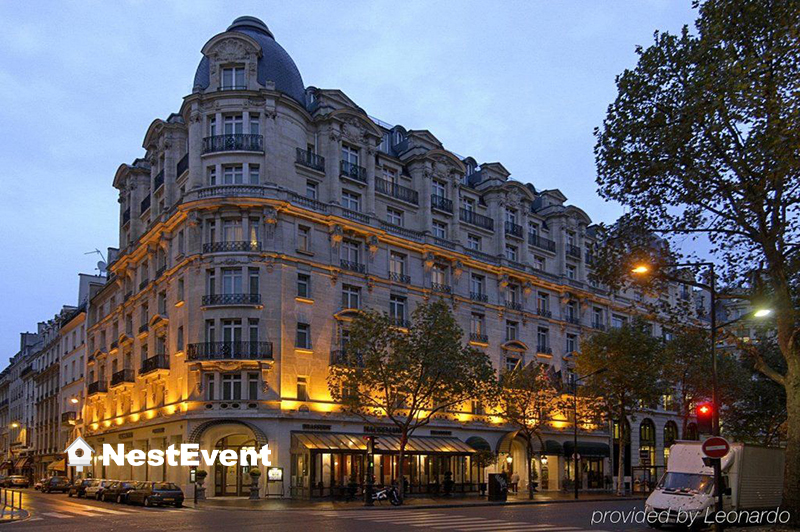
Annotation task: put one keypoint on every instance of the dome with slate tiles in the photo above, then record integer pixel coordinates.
(274, 65)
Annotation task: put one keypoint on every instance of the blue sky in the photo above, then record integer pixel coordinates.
(523, 83)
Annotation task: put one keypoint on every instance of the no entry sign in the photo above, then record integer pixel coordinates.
(716, 447)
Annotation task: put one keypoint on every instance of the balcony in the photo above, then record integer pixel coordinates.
(233, 142)
(114, 345)
(513, 229)
(144, 284)
(543, 312)
(359, 217)
(353, 171)
(96, 388)
(69, 418)
(544, 350)
(154, 363)
(310, 159)
(124, 376)
(573, 251)
(226, 247)
(343, 357)
(143, 328)
(574, 320)
(442, 288)
(145, 204)
(126, 216)
(409, 195)
(541, 242)
(479, 297)
(219, 300)
(478, 220)
(599, 326)
(183, 165)
(230, 351)
(514, 305)
(233, 87)
(441, 203)
(158, 182)
(479, 338)
(398, 321)
(399, 277)
(353, 266)
(160, 271)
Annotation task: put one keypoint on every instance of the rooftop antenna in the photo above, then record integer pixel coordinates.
(101, 264)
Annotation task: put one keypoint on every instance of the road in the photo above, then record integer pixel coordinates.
(55, 512)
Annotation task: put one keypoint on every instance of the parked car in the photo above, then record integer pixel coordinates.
(56, 483)
(96, 488)
(16, 481)
(118, 491)
(156, 494)
(78, 488)
(39, 483)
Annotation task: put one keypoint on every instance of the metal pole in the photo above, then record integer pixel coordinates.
(575, 435)
(715, 395)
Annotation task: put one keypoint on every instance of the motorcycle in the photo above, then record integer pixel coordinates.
(387, 494)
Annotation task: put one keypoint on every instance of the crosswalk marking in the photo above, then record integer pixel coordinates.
(444, 521)
(57, 515)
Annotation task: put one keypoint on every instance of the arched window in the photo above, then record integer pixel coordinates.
(647, 444)
(647, 432)
(691, 432)
(670, 435)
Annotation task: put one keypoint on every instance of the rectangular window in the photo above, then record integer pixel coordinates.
(351, 201)
(252, 334)
(232, 281)
(511, 216)
(469, 204)
(512, 331)
(511, 363)
(539, 263)
(303, 238)
(303, 338)
(211, 282)
(397, 263)
(212, 126)
(232, 387)
(233, 78)
(211, 231)
(597, 317)
(252, 274)
(474, 242)
(252, 386)
(179, 339)
(511, 252)
(439, 229)
(162, 303)
(543, 302)
(255, 173)
(255, 124)
(302, 388)
(397, 309)
(351, 251)
(394, 216)
(543, 339)
(351, 296)
(232, 174)
(349, 154)
(211, 335)
(440, 189)
(439, 274)
(303, 285)
(231, 331)
(572, 343)
(618, 321)
(210, 383)
(572, 272)
(476, 324)
(311, 189)
(233, 125)
(477, 284)
(232, 231)
(181, 242)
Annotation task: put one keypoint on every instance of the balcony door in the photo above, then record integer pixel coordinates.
(231, 337)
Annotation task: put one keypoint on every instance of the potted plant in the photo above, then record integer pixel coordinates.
(483, 459)
(200, 479)
(255, 474)
(534, 478)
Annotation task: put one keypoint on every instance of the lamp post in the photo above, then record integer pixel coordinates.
(643, 269)
(575, 423)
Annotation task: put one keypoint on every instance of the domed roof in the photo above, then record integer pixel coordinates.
(274, 64)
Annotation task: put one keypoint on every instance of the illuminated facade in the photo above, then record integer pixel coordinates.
(262, 215)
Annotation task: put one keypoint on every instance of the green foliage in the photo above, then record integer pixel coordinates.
(527, 398)
(484, 458)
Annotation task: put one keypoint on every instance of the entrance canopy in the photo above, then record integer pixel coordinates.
(23, 462)
(588, 449)
(326, 441)
(58, 465)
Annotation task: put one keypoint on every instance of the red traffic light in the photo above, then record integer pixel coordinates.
(703, 410)
(704, 413)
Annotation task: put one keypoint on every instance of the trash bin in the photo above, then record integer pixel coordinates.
(498, 487)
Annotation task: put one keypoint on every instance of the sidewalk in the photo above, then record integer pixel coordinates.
(456, 501)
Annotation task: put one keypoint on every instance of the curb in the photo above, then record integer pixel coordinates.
(25, 514)
(424, 506)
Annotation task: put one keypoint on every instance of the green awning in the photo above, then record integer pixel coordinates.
(588, 449)
(552, 447)
(478, 443)
(328, 441)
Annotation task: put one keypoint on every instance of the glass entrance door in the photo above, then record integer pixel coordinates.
(232, 481)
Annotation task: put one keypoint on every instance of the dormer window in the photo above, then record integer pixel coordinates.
(233, 78)
(398, 137)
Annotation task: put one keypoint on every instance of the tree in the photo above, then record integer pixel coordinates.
(703, 139)
(688, 365)
(408, 377)
(526, 399)
(625, 365)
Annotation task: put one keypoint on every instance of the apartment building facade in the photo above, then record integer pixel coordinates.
(262, 217)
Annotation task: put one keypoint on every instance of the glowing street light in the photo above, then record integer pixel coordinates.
(74, 400)
(14, 425)
(641, 269)
(762, 312)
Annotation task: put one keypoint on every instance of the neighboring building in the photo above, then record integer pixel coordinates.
(46, 362)
(21, 408)
(262, 217)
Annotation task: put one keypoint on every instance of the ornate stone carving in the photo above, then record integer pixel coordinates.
(503, 281)
(429, 260)
(528, 288)
(458, 269)
(232, 50)
(337, 234)
(270, 215)
(372, 244)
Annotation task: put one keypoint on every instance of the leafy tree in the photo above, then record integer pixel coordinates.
(527, 398)
(625, 365)
(703, 139)
(408, 377)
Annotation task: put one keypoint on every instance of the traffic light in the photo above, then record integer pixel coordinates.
(705, 413)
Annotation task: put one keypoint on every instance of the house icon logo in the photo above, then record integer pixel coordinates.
(79, 454)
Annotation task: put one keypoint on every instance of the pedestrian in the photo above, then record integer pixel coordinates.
(515, 482)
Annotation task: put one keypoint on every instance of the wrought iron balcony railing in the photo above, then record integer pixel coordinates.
(575, 320)
(479, 220)
(122, 376)
(345, 357)
(394, 190)
(513, 229)
(514, 305)
(221, 247)
(400, 277)
(183, 165)
(543, 312)
(126, 216)
(573, 251)
(233, 142)
(479, 337)
(479, 296)
(230, 351)
(353, 266)
(443, 288)
(231, 299)
(541, 242)
(145, 204)
(310, 159)
(441, 203)
(96, 387)
(353, 171)
(154, 363)
(68, 418)
(158, 181)
(544, 350)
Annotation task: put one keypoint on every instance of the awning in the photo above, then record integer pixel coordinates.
(478, 443)
(504, 445)
(58, 465)
(588, 449)
(23, 462)
(552, 447)
(326, 441)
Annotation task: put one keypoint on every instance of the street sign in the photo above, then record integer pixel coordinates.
(716, 447)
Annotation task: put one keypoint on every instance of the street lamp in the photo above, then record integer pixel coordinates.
(575, 423)
(643, 269)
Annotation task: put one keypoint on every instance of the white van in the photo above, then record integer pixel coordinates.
(752, 479)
